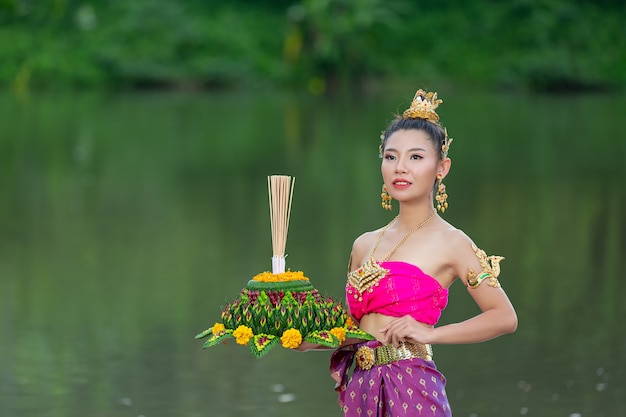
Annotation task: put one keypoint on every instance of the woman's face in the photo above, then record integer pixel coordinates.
(410, 165)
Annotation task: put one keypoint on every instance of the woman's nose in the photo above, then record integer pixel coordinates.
(400, 165)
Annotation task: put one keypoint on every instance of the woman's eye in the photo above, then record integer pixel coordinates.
(390, 157)
(416, 156)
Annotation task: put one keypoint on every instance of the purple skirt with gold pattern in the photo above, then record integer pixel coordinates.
(409, 387)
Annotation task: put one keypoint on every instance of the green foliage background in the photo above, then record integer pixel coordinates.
(321, 45)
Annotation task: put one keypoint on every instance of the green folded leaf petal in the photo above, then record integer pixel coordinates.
(322, 337)
(217, 338)
(261, 344)
(204, 333)
(353, 332)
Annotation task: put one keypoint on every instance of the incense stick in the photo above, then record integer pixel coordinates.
(280, 192)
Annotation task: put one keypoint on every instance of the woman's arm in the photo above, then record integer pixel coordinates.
(497, 318)
(497, 315)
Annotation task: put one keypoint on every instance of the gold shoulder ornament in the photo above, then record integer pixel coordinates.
(490, 266)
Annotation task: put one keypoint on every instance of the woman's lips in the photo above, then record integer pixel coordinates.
(400, 184)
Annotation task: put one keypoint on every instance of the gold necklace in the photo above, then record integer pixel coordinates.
(370, 273)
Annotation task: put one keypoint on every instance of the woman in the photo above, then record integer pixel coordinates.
(399, 279)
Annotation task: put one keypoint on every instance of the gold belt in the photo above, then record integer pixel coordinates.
(367, 357)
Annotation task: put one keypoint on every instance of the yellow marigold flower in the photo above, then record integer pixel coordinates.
(349, 322)
(291, 338)
(263, 276)
(243, 334)
(218, 328)
(339, 333)
(282, 277)
(294, 276)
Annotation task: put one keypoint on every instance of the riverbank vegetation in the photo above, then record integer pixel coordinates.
(320, 45)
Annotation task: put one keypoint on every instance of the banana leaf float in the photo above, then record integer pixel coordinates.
(281, 307)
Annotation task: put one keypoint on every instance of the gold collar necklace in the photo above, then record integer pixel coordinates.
(370, 273)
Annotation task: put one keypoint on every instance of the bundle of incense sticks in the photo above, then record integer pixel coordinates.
(280, 190)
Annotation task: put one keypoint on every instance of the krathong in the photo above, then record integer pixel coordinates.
(281, 306)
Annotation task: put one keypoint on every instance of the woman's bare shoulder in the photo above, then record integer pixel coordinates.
(362, 246)
(457, 237)
(365, 238)
(463, 252)
(456, 241)
(446, 235)
(450, 242)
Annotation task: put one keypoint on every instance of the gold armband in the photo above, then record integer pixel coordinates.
(490, 266)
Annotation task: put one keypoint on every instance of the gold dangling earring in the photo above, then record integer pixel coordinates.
(386, 204)
(441, 196)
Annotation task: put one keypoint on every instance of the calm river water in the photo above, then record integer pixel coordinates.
(127, 220)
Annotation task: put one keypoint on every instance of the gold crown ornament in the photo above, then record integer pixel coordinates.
(423, 106)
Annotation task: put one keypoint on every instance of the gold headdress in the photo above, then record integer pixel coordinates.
(423, 106)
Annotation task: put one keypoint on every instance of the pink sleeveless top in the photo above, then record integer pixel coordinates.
(405, 290)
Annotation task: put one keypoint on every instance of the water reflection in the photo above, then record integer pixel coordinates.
(126, 221)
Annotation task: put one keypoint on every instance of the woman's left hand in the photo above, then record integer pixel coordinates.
(406, 329)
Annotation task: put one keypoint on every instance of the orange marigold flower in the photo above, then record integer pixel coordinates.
(339, 333)
(243, 334)
(291, 338)
(218, 328)
(349, 322)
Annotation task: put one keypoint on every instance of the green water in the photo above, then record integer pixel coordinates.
(126, 221)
